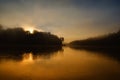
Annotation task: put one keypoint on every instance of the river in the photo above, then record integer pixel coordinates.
(63, 64)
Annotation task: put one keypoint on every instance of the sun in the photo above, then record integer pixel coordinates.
(31, 30)
(28, 28)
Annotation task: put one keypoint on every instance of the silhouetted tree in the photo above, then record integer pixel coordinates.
(21, 37)
(112, 39)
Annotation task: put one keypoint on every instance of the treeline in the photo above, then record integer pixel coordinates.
(17, 36)
(112, 39)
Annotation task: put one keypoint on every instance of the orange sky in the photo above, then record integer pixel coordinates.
(71, 19)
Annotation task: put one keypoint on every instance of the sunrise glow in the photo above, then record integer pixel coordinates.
(59, 39)
(30, 30)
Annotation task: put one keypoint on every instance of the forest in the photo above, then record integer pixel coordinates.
(109, 40)
(18, 36)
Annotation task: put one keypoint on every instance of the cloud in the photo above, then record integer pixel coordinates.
(84, 18)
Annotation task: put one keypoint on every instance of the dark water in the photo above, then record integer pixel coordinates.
(58, 64)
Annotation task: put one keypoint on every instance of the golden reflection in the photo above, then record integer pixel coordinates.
(74, 64)
(27, 57)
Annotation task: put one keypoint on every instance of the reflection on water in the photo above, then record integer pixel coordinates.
(27, 57)
(56, 64)
(111, 52)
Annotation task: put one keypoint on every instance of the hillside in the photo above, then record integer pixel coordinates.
(112, 39)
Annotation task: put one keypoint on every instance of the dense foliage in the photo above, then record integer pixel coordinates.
(17, 36)
(112, 39)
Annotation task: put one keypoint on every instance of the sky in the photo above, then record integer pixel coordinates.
(71, 19)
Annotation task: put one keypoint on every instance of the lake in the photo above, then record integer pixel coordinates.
(58, 64)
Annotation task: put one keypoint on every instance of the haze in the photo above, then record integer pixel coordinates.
(72, 19)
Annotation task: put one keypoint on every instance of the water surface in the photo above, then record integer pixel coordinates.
(60, 64)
